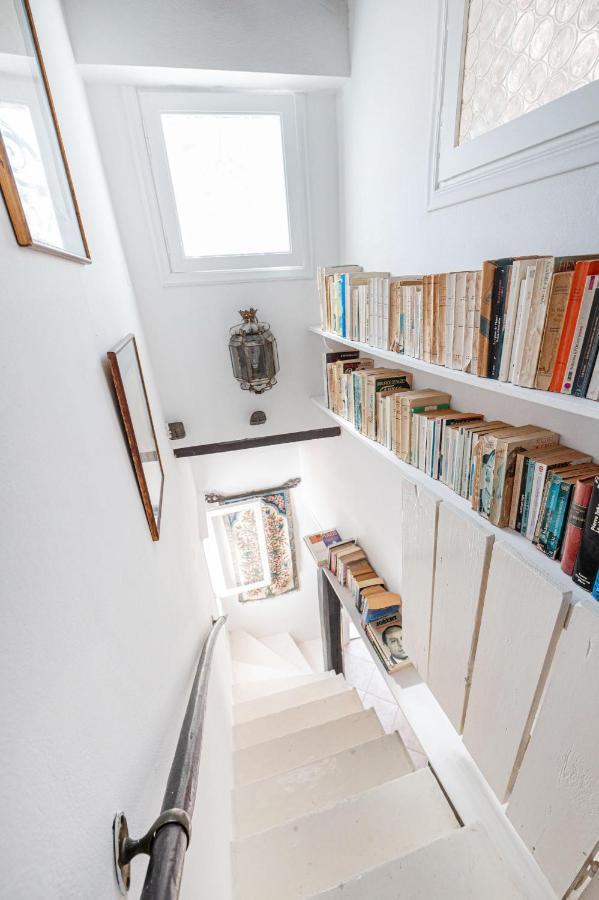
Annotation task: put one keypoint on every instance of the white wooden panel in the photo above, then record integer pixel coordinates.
(523, 615)
(463, 555)
(555, 801)
(463, 865)
(418, 542)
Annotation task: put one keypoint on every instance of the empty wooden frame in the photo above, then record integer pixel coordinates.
(130, 388)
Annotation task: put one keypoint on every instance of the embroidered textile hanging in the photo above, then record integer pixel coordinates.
(277, 522)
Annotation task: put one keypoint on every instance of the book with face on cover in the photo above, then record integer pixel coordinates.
(386, 635)
(318, 544)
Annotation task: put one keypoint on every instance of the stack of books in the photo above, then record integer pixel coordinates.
(319, 543)
(532, 320)
(380, 609)
(516, 476)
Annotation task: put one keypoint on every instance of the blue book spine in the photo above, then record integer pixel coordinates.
(371, 615)
(550, 507)
(596, 587)
(342, 287)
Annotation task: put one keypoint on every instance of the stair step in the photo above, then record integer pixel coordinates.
(303, 747)
(312, 651)
(463, 865)
(285, 646)
(288, 721)
(274, 801)
(253, 690)
(318, 851)
(303, 693)
(245, 648)
(246, 672)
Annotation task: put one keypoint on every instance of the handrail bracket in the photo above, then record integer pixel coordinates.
(127, 848)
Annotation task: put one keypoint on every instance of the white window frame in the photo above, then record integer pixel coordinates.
(176, 267)
(213, 557)
(558, 137)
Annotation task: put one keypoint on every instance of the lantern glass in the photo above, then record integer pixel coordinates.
(254, 356)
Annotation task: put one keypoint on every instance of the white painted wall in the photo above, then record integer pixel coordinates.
(248, 35)
(188, 326)
(101, 627)
(245, 470)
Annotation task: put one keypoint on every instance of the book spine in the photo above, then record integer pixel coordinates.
(588, 353)
(538, 481)
(549, 509)
(557, 526)
(530, 472)
(541, 514)
(586, 565)
(579, 332)
(593, 388)
(524, 312)
(581, 270)
(576, 518)
(476, 323)
(500, 280)
(536, 321)
(486, 300)
(558, 300)
(516, 490)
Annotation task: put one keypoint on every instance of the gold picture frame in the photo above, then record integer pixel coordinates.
(35, 178)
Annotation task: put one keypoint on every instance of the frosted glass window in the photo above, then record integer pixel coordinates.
(228, 178)
(521, 54)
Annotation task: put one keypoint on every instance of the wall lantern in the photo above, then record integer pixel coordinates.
(254, 355)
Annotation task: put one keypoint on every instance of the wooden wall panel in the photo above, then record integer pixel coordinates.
(418, 544)
(555, 801)
(462, 565)
(522, 618)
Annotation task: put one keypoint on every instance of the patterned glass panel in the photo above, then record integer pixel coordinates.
(521, 54)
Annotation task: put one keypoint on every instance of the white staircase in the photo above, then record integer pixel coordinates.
(327, 805)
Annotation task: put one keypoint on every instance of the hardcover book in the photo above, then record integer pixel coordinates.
(586, 565)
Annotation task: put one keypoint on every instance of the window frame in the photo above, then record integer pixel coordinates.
(214, 557)
(557, 137)
(176, 267)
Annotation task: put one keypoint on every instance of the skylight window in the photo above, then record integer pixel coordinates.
(228, 175)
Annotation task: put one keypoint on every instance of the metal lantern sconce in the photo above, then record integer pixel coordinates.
(253, 350)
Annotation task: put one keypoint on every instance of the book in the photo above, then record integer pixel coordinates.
(380, 604)
(416, 401)
(329, 359)
(582, 270)
(562, 456)
(582, 321)
(535, 322)
(593, 388)
(590, 347)
(481, 490)
(556, 311)
(510, 318)
(501, 279)
(576, 519)
(459, 320)
(386, 635)
(382, 380)
(486, 302)
(318, 544)
(324, 278)
(558, 503)
(586, 565)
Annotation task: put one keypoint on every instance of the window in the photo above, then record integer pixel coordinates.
(517, 94)
(229, 182)
(251, 546)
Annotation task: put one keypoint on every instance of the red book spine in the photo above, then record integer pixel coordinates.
(576, 517)
(581, 270)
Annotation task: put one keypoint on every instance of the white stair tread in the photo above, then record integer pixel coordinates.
(318, 851)
(303, 747)
(285, 646)
(246, 648)
(289, 721)
(284, 699)
(312, 650)
(252, 690)
(462, 865)
(274, 801)
(244, 672)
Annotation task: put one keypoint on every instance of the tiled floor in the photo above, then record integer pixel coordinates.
(361, 673)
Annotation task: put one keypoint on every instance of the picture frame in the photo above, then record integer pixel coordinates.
(130, 388)
(35, 179)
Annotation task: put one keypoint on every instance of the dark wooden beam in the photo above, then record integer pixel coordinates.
(330, 624)
(292, 437)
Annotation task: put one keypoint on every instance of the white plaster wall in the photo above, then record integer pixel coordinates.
(263, 467)
(100, 627)
(385, 120)
(246, 35)
(187, 327)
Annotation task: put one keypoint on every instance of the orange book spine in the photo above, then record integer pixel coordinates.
(583, 269)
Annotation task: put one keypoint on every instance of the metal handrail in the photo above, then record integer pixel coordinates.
(167, 839)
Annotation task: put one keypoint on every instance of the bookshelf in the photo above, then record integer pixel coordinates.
(461, 779)
(526, 549)
(578, 406)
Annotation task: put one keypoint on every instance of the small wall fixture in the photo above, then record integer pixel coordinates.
(253, 350)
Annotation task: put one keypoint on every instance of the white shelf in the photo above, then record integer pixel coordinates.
(578, 406)
(551, 568)
(461, 779)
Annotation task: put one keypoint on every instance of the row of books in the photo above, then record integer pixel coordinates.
(533, 321)
(380, 609)
(516, 476)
